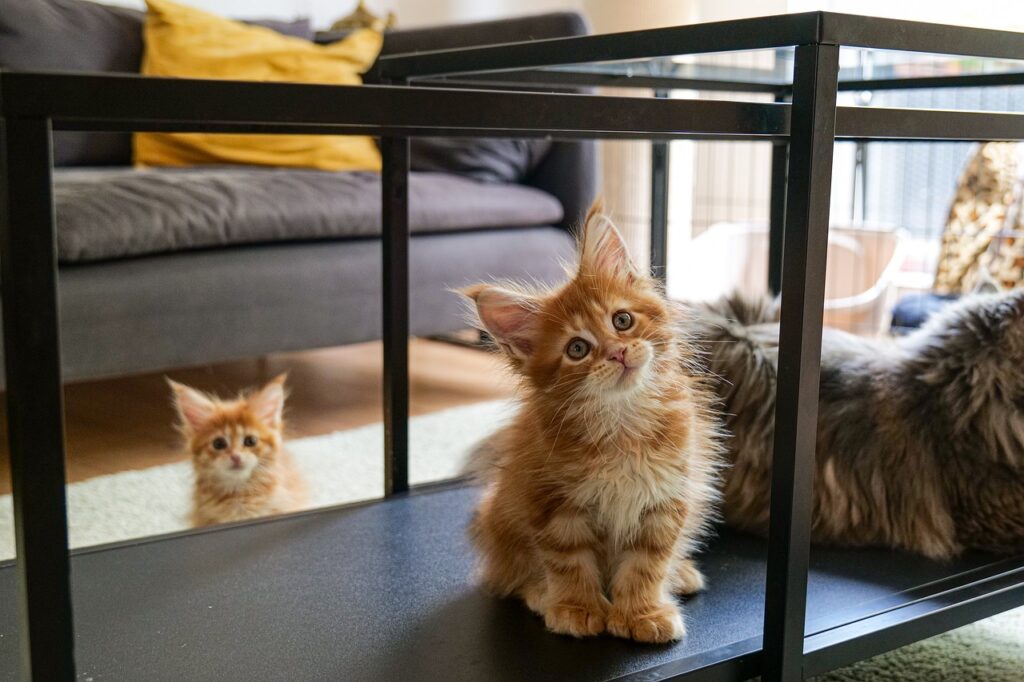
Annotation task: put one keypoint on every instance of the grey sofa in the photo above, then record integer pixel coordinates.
(164, 268)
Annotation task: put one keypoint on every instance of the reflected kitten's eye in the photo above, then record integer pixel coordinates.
(622, 320)
(249, 442)
(220, 443)
(577, 349)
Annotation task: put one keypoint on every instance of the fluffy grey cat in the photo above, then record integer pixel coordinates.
(920, 440)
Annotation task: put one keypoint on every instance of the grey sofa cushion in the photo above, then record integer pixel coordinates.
(148, 314)
(72, 35)
(118, 213)
(487, 160)
(76, 35)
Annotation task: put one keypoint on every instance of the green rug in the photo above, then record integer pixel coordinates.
(991, 650)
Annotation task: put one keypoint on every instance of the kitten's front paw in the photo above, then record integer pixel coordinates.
(663, 623)
(688, 578)
(534, 595)
(575, 619)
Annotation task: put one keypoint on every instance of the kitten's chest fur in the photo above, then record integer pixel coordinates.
(276, 491)
(638, 464)
(619, 486)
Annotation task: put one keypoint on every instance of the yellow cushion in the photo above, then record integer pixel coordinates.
(186, 42)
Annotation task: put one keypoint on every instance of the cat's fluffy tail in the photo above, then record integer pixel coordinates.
(738, 334)
(484, 459)
(745, 310)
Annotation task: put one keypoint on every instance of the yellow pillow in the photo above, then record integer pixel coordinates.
(186, 42)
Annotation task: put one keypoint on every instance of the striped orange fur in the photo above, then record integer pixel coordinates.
(601, 487)
(242, 470)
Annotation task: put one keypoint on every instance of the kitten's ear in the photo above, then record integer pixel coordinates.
(986, 283)
(507, 316)
(268, 402)
(602, 248)
(194, 408)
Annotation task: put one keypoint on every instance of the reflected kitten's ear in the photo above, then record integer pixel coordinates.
(194, 408)
(507, 316)
(268, 402)
(602, 248)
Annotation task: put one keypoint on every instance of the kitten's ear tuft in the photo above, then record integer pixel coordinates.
(602, 248)
(507, 316)
(596, 209)
(194, 408)
(268, 403)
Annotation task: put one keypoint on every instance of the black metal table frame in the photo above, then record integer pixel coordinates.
(34, 104)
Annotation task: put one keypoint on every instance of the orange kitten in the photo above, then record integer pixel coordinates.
(601, 487)
(241, 467)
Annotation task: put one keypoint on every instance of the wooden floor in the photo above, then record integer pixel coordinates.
(119, 424)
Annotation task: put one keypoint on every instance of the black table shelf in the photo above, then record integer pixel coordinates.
(384, 592)
(380, 590)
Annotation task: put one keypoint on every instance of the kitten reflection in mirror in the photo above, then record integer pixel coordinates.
(242, 470)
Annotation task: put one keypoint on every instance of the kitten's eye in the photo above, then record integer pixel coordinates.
(622, 320)
(220, 443)
(249, 441)
(577, 349)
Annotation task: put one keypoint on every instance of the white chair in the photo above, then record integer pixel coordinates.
(859, 286)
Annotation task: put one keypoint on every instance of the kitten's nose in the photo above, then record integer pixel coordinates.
(619, 355)
(236, 459)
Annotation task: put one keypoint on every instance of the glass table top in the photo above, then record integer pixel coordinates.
(762, 70)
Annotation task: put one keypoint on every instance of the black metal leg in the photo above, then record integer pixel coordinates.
(812, 136)
(395, 271)
(777, 211)
(35, 402)
(659, 205)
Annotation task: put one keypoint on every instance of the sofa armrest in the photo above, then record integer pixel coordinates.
(516, 29)
(451, 36)
(569, 171)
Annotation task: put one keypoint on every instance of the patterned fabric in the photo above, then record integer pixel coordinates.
(1005, 258)
(984, 214)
